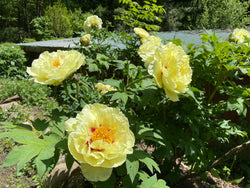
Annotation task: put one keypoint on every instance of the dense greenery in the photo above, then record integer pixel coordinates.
(209, 120)
(12, 61)
(36, 19)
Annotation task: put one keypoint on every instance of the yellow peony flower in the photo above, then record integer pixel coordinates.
(53, 68)
(104, 88)
(239, 35)
(170, 69)
(92, 21)
(100, 139)
(141, 32)
(85, 39)
(147, 49)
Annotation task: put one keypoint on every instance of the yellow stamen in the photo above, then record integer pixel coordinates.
(103, 133)
(56, 63)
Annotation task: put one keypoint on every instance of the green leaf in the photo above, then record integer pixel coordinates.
(40, 125)
(41, 167)
(45, 154)
(112, 82)
(143, 175)
(132, 165)
(69, 161)
(237, 181)
(21, 155)
(17, 133)
(57, 131)
(93, 68)
(238, 105)
(29, 140)
(152, 182)
(150, 134)
(120, 95)
(146, 159)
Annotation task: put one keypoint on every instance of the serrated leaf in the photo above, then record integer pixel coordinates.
(132, 165)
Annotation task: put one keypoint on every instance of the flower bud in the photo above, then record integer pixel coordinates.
(85, 39)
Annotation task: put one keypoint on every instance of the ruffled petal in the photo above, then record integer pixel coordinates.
(92, 173)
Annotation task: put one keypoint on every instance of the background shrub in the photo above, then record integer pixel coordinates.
(41, 28)
(223, 14)
(12, 34)
(29, 92)
(59, 18)
(12, 59)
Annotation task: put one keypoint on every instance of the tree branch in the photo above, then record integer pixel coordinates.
(232, 151)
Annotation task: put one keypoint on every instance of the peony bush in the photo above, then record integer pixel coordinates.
(131, 116)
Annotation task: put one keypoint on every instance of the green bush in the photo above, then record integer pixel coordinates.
(41, 28)
(12, 34)
(143, 15)
(60, 20)
(30, 93)
(223, 14)
(12, 59)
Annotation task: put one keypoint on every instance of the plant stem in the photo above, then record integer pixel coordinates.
(138, 80)
(77, 91)
(67, 92)
(223, 77)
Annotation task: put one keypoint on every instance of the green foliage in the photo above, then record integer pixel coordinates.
(223, 14)
(40, 148)
(12, 59)
(41, 28)
(77, 21)
(59, 17)
(137, 15)
(29, 92)
(11, 34)
(193, 131)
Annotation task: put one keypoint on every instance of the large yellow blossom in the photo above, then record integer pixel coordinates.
(147, 49)
(170, 69)
(92, 21)
(239, 35)
(104, 88)
(52, 68)
(100, 139)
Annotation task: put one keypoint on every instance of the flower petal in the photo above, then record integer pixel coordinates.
(95, 173)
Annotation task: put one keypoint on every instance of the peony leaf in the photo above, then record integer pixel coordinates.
(132, 165)
(152, 182)
(146, 159)
(21, 155)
